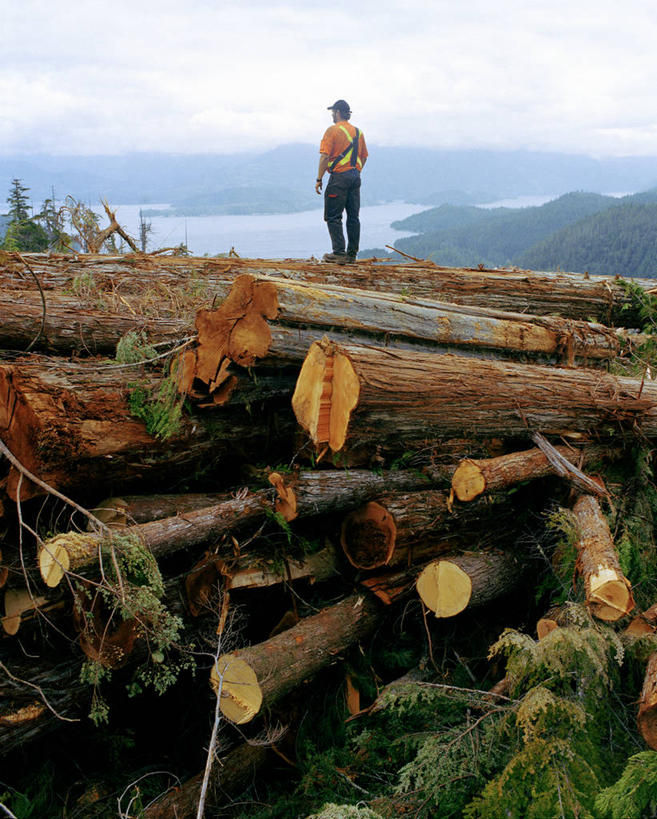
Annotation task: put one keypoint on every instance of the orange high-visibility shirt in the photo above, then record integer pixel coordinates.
(335, 141)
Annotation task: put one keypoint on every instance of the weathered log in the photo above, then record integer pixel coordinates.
(572, 295)
(608, 593)
(79, 550)
(66, 325)
(473, 477)
(356, 394)
(255, 677)
(35, 698)
(392, 529)
(129, 509)
(453, 582)
(647, 714)
(325, 492)
(255, 570)
(239, 329)
(71, 425)
(644, 623)
(231, 774)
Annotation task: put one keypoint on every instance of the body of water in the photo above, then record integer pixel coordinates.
(262, 236)
(281, 235)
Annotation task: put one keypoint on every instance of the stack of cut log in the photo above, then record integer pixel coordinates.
(403, 402)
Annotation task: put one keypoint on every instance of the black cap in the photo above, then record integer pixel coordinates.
(341, 105)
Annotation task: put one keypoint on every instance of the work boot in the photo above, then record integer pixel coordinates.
(350, 258)
(339, 258)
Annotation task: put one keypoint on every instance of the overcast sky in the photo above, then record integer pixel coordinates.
(218, 76)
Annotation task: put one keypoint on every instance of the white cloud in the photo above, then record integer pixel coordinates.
(573, 75)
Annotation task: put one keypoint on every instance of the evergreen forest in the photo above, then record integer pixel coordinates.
(578, 232)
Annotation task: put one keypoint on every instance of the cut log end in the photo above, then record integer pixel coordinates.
(113, 512)
(444, 588)
(610, 596)
(326, 393)
(18, 601)
(54, 562)
(239, 691)
(468, 481)
(368, 536)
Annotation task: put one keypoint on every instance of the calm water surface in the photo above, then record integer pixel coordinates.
(278, 236)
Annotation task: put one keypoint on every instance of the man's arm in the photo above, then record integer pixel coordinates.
(321, 170)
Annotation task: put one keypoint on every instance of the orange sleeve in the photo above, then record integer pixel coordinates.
(326, 145)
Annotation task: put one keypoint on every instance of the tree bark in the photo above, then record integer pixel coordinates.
(571, 295)
(647, 714)
(643, 623)
(230, 775)
(326, 492)
(239, 329)
(473, 477)
(608, 593)
(71, 425)
(78, 551)
(346, 395)
(255, 677)
(394, 528)
(71, 326)
(481, 577)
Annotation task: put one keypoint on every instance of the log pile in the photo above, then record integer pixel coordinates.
(323, 442)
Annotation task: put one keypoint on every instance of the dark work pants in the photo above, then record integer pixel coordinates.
(343, 194)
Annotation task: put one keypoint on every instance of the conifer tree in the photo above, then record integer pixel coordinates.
(23, 233)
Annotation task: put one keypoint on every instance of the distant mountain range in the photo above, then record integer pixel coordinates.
(282, 180)
(577, 232)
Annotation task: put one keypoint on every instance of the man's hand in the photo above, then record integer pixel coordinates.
(318, 186)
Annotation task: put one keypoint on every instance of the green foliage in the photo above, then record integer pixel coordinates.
(132, 590)
(333, 811)
(37, 800)
(547, 779)
(579, 662)
(134, 348)
(565, 715)
(23, 233)
(633, 524)
(634, 795)
(161, 410)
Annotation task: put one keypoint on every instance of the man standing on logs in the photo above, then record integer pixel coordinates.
(343, 153)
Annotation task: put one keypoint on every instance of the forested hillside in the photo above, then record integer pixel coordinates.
(619, 240)
(495, 237)
(578, 232)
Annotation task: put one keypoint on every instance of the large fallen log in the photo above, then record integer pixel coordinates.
(239, 329)
(64, 324)
(608, 593)
(392, 529)
(347, 395)
(231, 774)
(600, 298)
(77, 551)
(473, 477)
(71, 425)
(329, 491)
(255, 677)
(36, 698)
(452, 582)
